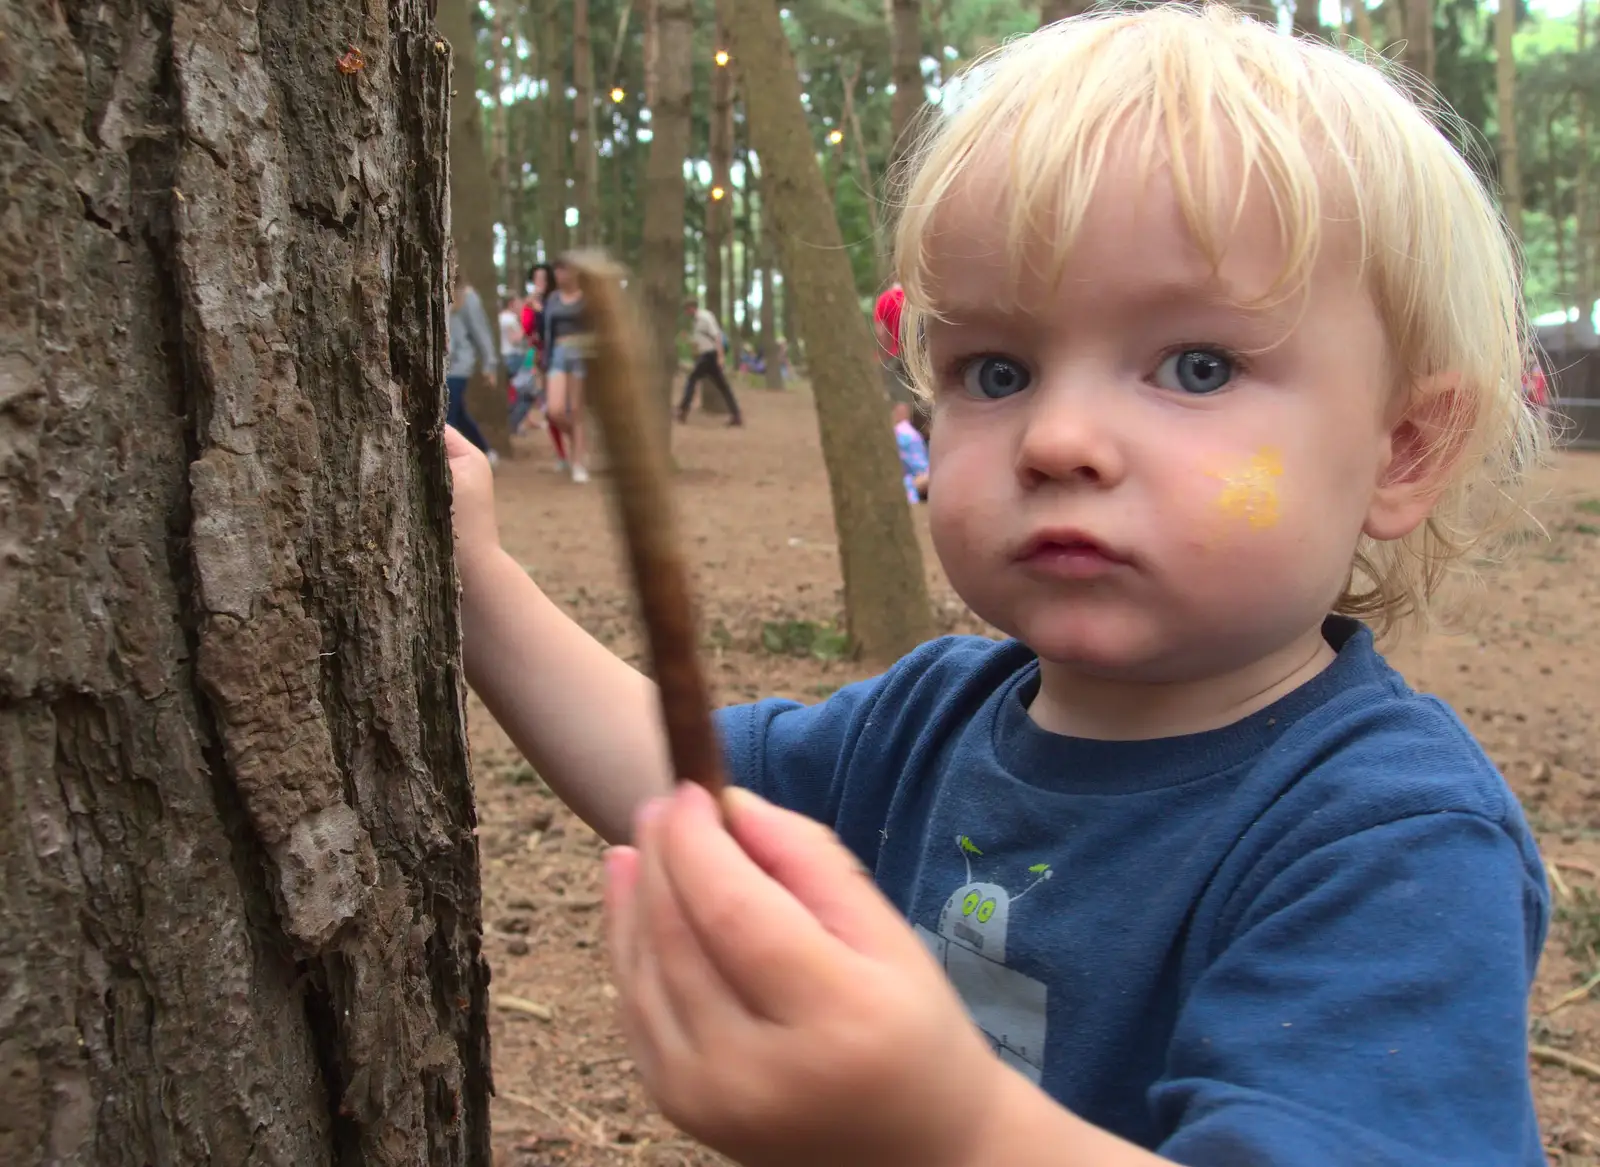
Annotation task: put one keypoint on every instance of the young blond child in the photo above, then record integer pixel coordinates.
(1224, 348)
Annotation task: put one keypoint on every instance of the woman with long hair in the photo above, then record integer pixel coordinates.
(567, 344)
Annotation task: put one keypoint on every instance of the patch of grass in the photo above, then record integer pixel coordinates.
(718, 637)
(1586, 528)
(1580, 916)
(523, 774)
(804, 638)
(1590, 506)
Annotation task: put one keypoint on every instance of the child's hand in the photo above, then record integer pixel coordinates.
(472, 499)
(778, 1006)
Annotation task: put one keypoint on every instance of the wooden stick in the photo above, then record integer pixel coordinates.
(620, 381)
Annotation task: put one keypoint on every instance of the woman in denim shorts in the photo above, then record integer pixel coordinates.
(567, 342)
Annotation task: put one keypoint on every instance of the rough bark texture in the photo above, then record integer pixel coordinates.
(661, 243)
(239, 906)
(472, 206)
(886, 596)
(585, 160)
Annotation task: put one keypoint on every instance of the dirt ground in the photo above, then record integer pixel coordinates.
(755, 512)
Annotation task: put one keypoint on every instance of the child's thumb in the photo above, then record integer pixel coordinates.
(456, 445)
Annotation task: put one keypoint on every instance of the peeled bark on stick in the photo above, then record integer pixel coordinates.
(239, 885)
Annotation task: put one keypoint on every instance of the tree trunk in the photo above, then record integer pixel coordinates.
(239, 887)
(886, 595)
(1419, 54)
(1308, 18)
(1505, 78)
(1051, 11)
(719, 211)
(500, 150)
(661, 267)
(1361, 16)
(472, 200)
(768, 245)
(557, 123)
(852, 128)
(585, 159)
(905, 49)
(1585, 210)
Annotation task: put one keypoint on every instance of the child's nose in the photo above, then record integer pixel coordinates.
(1067, 438)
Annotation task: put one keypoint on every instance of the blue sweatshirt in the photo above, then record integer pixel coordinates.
(1304, 939)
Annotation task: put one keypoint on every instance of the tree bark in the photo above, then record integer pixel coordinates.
(239, 887)
(1308, 18)
(768, 245)
(1051, 11)
(1585, 210)
(472, 203)
(500, 151)
(661, 245)
(719, 212)
(886, 596)
(1505, 78)
(557, 124)
(585, 158)
(858, 144)
(1361, 16)
(905, 52)
(1419, 51)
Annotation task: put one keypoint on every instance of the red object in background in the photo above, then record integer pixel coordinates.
(887, 313)
(1536, 387)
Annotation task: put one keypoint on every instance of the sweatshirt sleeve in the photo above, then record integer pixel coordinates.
(1370, 1007)
(478, 331)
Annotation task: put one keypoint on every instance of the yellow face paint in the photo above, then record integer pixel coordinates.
(1251, 492)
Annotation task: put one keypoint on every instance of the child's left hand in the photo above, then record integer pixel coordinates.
(778, 1006)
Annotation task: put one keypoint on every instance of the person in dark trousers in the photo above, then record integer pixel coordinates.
(707, 339)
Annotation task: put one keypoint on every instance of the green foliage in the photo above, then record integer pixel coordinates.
(1581, 918)
(804, 638)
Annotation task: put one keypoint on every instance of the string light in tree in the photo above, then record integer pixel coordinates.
(718, 194)
(617, 94)
(836, 136)
(722, 58)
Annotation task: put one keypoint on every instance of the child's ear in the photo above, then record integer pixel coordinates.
(1425, 440)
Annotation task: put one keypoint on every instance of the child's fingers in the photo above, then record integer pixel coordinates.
(818, 870)
(456, 446)
(648, 1015)
(767, 946)
(703, 1006)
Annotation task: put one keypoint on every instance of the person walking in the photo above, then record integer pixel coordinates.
(567, 345)
(706, 335)
(471, 351)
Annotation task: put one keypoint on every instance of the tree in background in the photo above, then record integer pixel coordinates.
(661, 269)
(1505, 74)
(239, 905)
(586, 160)
(886, 596)
(472, 203)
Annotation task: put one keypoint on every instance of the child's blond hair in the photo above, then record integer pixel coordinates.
(1199, 90)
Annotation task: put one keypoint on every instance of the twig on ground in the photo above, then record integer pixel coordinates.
(523, 1005)
(1577, 994)
(1563, 892)
(1560, 1057)
(621, 382)
(1577, 865)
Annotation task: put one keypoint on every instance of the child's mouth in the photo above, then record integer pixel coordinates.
(1068, 554)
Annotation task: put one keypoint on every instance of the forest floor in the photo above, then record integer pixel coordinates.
(759, 533)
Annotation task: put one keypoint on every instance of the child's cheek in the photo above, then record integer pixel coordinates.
(1242, 497)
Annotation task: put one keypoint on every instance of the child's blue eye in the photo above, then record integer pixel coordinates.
(1195, 370)
(995, 377)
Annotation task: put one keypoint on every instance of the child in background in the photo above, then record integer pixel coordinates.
(913, 454)
(1224, 344)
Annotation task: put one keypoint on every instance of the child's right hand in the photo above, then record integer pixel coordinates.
(472, 499)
